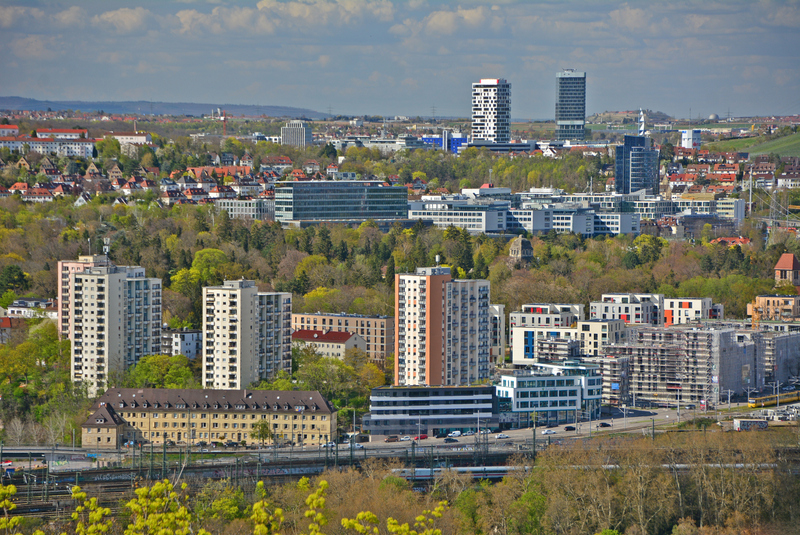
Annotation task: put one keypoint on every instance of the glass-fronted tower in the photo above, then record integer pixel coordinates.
(636, 166)
(570, 105)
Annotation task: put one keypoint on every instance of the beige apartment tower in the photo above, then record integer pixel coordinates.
(247, 334)
(114, 320)
(65, 269)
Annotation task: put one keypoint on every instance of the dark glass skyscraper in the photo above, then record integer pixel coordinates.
(570, 105)
(636, 166)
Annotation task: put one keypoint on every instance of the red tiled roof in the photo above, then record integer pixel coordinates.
(321, 336)
(788, 261)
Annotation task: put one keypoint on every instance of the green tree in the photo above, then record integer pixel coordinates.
(160, 371)
(261, 431)
(13, 278)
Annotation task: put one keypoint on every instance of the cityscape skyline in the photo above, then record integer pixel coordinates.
(384, 57)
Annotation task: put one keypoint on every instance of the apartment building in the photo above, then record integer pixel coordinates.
(691, 309)
(570, 105)
(247, 334)
(65, 269)
(647, 309)
(115, 320)
(615, 371)
(563, 392)
(443, 329)
(559, 323)
(377, 331)
(183, 416)
(491, 110)
(693, 365)
(187, 342)
(329, 344)
(775, 307)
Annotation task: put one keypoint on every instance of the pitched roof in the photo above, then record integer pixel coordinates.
(104, 416)
(311, 335)
(788, 261)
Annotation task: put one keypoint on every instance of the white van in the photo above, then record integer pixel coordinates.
(454, 434)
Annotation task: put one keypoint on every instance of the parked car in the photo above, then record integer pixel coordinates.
(569, 428)
(548, 432)
(450, 440)
(329, 445)
(469, 433)
(440, 435)
(391, 438)
(421, 437)
(454, 434)
(605, 424)
(231, 444)
(485, 431)
(501, 435)
(405, 438)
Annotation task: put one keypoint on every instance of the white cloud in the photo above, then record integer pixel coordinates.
(12, 16)
(74, 17)
(124, 20)
(34, 47)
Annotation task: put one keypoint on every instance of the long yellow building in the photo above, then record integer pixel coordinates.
(191, 416)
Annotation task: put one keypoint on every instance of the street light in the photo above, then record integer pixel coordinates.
(775, 392)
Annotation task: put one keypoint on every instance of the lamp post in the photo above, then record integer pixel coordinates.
(729, 392)
(775, 392)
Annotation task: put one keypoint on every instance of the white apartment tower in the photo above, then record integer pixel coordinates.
(296, 133)
(443, 329)
(247, 334)
(491, 110)
(65, 269)
(115, 320)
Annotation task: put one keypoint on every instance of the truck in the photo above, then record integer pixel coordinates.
(741, 424)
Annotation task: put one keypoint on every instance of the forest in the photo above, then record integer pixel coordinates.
(695, 481)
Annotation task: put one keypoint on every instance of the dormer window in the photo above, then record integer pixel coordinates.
(100, 421)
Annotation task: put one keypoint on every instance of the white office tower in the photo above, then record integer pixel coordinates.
(491, 110)
(690, 139)
(247, 334)
(443, 328)
(115, 316)
(296, 133)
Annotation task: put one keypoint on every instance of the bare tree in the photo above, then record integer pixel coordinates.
(55, 426)
(15, 431)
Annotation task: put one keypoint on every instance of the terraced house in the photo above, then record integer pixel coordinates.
(185, 416)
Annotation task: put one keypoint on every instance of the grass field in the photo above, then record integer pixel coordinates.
(784, 146)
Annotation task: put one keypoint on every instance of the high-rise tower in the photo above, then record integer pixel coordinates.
(636, 166)
(491, 110)
(570, 105)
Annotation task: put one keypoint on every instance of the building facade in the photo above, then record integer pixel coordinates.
(377, 331)
(690, 139)
(691, 309)
(296, 133)
(247, 209)
(636, 166)
(430, 410)
(183, 416)
(443, 329)
(568, 391)
(329, 344)
(340, 201)
(115, 320)
(65, 269)
(247, 334)
(186, 342)
(645, 309)
(491, 110)
(570, 105)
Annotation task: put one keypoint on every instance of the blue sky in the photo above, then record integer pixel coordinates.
(404, 57)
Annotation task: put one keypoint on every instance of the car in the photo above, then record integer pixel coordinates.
(421, 437)
(450, 440)
(405, 438)
(355, 446)
(501, 435)
(391, 438)
(204, 450)
(469, 433)
(329, 445)
(569, 428)
(548, 432)
(485, 431)
(231, 444)
(453, 434)
(440, 435)
(202, 444)
(605, 424)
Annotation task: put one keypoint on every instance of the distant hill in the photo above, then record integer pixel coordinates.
(156, 108)
(782, 146)
(631, 115)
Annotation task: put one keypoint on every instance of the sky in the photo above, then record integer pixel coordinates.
(407, 57)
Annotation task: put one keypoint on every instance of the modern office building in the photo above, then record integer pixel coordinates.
(377, 331)
(296, 133)
(339, 201)
(691, 309)
(447, 140)
(491, 110)
(187, 342)
(65, 269)
(430, 410)
(443, 329)
(690, 139)
(636, 166)
(247, 334)
(115, 320)
(478, 216)
(563, 392)
(247, 209)
(185, 416)
(570, 105)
